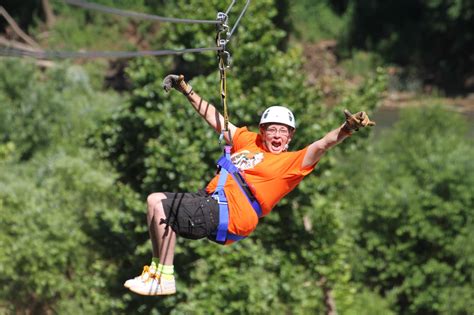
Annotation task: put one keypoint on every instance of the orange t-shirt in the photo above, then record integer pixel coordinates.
(270, 177)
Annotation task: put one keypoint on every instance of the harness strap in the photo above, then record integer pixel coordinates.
(225, 164)
(219, 195)
(227, 167)
(234, 237)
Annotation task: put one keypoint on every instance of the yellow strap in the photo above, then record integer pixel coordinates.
(223, 88)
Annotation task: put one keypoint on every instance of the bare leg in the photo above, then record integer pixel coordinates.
(163, 238)
(150, 218)
(157, 280)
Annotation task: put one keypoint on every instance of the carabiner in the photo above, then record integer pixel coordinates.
(225, 60)
(222, 26)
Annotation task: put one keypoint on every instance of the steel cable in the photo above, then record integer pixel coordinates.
(238, 20)
(230, 7)
(131, 14)
(15, 52)
(48, 55)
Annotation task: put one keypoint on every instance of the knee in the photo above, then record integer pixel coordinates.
(154, 198)
(153, 201)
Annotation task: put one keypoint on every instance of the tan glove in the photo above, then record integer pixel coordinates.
(177, 82)
(356, 121)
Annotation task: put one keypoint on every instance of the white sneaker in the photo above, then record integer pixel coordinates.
(146, 273)
(156, 284)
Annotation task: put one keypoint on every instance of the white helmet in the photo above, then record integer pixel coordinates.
(278, 114)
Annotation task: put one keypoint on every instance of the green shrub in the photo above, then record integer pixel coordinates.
(412, 209)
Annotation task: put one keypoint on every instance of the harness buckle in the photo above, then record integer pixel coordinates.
(216, 197)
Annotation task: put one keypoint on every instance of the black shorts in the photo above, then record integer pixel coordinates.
(191, 215)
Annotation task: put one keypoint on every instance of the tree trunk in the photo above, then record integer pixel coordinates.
(329, 301)
(48, 13)
(18, 31)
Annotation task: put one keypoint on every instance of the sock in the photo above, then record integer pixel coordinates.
(166, 271)
(155, 262)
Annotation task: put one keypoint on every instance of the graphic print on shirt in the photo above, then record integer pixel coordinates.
(245, 159)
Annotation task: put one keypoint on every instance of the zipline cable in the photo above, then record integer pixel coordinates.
(225, 58)
(221, 24)
(238, 20)
(131, 14)
(230, 7)
(15, 52)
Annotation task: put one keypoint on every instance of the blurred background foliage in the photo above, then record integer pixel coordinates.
(383, 226)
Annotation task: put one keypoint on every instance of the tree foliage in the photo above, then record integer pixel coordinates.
(47, 237)
(382, 227)
(419, 34)
(59, 206)
(416, 36)
(45, 110)
(413, 212)
(158, 143)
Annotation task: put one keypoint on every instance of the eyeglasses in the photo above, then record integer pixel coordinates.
(282, 131)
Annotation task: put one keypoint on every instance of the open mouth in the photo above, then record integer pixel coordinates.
(276, 145)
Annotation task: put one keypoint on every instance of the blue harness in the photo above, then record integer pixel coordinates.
(228, 168)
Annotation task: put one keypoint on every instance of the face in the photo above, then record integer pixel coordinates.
(276, 137)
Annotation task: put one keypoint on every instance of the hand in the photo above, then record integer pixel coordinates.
(356, 121)
(177, 82)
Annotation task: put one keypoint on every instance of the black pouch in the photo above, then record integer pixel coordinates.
(194, 218)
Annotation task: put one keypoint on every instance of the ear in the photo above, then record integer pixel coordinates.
(292, 132)
(289, 139)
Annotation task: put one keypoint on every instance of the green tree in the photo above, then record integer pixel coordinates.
(63, 216)
(50, 258)
(412, 214)
(51, 109)
(418, 34)
(158, 143)
(316, 20)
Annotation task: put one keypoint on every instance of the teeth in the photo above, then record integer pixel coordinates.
(276, 145)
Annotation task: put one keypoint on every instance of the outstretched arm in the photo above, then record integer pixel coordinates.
(317, 149)
(207, 111)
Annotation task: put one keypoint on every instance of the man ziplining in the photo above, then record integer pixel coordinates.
(262, 171)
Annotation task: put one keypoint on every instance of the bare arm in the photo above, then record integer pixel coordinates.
(207, 111)
(211, 115)
(317, 149)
